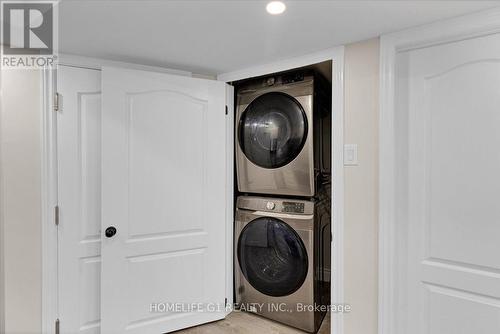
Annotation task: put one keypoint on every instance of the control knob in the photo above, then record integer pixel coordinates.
(270, 205)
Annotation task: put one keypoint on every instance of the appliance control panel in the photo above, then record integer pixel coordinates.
(293, 207)
(288, 206)
(292, 77)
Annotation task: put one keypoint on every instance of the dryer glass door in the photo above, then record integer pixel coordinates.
(272, 130)
(272, 257)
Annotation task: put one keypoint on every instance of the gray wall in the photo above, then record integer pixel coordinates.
(20, 149)
(20, 168)
(361, 187)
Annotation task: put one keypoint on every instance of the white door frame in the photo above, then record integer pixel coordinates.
(49, 174)
(48, 202)
(336, 55)
(460, 28)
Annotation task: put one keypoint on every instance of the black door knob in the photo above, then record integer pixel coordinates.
(110, 231)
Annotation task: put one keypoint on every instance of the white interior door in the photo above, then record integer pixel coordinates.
(164, 190)
(79, 192)
(452, 258)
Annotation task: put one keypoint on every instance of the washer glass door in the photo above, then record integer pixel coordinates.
(272, 130)
(272, 257)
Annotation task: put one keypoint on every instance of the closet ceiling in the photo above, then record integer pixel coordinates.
(211, 37)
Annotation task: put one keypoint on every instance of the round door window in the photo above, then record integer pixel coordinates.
(272, 257)
(272, 130)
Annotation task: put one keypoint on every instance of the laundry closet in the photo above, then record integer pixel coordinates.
(283, 195)
(175, 191)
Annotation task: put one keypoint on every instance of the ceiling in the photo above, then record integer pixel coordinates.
(213, 37)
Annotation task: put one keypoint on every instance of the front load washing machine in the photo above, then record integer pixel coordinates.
(281, 257)
(279, 134)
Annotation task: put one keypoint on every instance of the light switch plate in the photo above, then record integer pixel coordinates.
(351, 155)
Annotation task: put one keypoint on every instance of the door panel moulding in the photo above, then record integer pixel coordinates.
(460, 28)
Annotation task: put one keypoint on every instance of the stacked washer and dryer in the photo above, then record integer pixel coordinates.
(283, 229)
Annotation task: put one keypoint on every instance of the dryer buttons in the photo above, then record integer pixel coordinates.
(293, 207)
(270, 205)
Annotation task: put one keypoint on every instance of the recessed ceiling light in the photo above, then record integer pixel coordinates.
(275, 7)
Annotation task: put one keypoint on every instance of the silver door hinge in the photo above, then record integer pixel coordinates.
(56, 101)
(57, 326)
(227, 110)
(56, 215)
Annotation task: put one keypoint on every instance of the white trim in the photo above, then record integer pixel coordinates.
(49, 201)
(460, 28)
(229, 196)
(387, 243)
(283, 65)
(337, 264)
(2, 221)
(336, 55)
(98, 64)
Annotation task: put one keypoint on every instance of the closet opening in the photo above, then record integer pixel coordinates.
(282, 195)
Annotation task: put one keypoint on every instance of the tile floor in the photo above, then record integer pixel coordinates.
(246, 323)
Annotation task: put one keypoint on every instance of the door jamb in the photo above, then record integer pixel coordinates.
(452, 30)
(336, 55)
(229, 198)
(98, 64)
(48, 202)
(49, 172)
